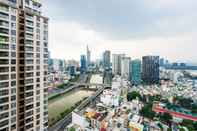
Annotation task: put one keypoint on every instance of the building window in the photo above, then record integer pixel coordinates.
(13, 18)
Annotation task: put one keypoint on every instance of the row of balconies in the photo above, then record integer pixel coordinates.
(4, 54)
(4, 46)
(4, 8)
(4, 24)
(4, 70)
(4, 16)
(4, 39)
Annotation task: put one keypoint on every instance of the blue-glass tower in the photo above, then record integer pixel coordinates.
(83, 62)
(135, 72)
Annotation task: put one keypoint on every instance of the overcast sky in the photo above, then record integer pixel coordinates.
(135, 27)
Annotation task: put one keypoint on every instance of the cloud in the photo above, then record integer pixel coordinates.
(136, 27)
(69, 39)
(129, 19)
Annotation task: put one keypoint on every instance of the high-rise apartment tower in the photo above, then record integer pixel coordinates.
(23, 66)
(150, 69)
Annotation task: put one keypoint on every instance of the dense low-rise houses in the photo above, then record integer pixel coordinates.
(113, 111)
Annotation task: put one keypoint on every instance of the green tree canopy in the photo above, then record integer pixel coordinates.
(133, 95)
(146, 111)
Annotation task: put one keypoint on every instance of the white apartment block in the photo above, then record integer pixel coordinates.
(125, 67)
(23, 66)
(116, 63)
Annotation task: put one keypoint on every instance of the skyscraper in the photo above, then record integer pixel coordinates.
(106, 59)
(58, 65)
(107, 77)
(23, 66)
(88, 57)
(150, 69)
(161, 62)
(116, 63)
(83, 62)
(125, 67)
(135, 72)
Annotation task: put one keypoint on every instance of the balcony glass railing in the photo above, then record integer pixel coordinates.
(4, 46)
(4, 8)
(4, 39)
(29, 23)
(4, 31)
(29, 30)
(29, 48)
(3, 23)
(29, 17)
(4, 16)
(4, 62)
(4, 54)
(4, 69)
(29, 42)
(29, 36)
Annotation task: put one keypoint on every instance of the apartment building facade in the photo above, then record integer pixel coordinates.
(23, 66)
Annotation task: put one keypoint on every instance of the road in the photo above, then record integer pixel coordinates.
(62, 124)
(88, 84)
(83, 79)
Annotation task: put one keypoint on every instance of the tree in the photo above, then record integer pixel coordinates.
(146, 111)
(155, 98)
(194, 108)
(169, 129)
(166, 117)
(184, 102)
(72, 129)
(133, 95)
(189, 124)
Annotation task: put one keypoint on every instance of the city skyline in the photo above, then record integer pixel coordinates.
(135, 28)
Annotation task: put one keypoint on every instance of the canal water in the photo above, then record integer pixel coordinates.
(58, 105)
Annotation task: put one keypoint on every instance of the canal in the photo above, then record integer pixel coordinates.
(65, 101)
(59, 104)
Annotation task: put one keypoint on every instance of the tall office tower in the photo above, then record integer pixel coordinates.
(23, 66)
(107, 77)
(161, 62)
(88, 57)
(106, 59)
(58, 65)
(135, 72)
(150, 69)
(83, 62)
(116, 63)
(125, 61)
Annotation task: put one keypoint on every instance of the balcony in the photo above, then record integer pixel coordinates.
(4, 32)
(4, 54)
(29, 23)
(4, 8)
(29, 49)
(29, 37)
(29, 30)
(4, 62)
(4, 39)
(28, 43)
(4, 24)
(4, 70)
(4, 77)
(4, 16)
(4, 46)
(29, 17)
